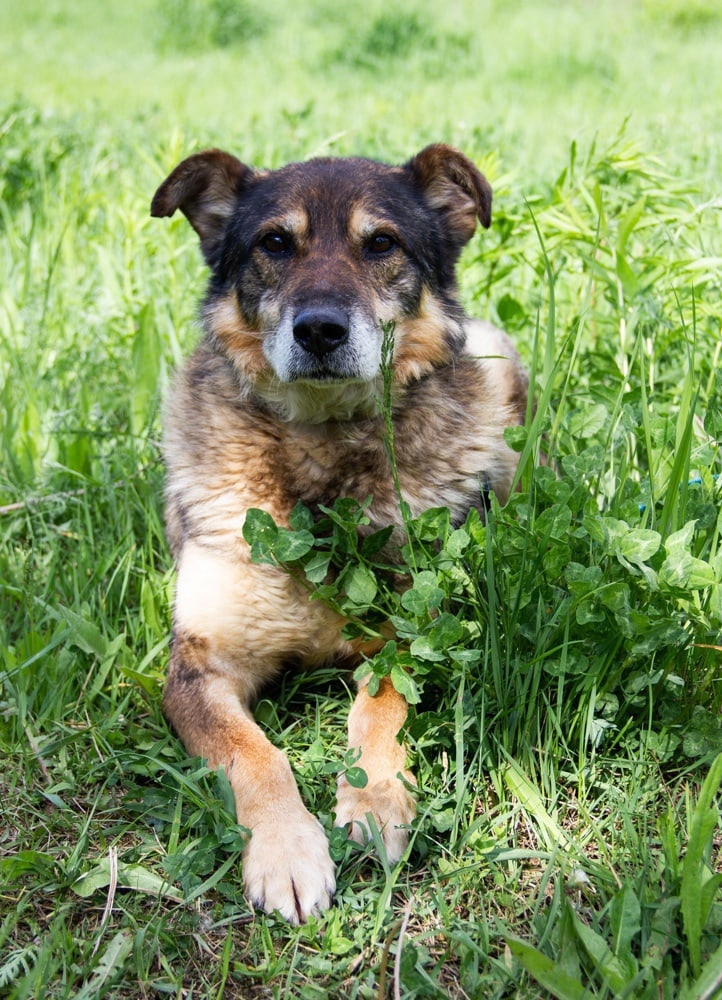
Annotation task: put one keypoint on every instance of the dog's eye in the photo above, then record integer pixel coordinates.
(380, 243)
(274, 243)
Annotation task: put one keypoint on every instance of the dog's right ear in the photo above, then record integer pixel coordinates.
(205, 187)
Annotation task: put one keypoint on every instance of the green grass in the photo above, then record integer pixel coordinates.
(566, 655)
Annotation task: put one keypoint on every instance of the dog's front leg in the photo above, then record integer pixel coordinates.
(218, 662)
(286, 864)
(373, 726)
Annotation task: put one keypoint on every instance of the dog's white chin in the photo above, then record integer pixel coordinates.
(319, 401)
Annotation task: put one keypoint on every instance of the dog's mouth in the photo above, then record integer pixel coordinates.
(322, 346)
(325, 345)
(324, 377)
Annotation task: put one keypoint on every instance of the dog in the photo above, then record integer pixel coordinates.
(280, 403)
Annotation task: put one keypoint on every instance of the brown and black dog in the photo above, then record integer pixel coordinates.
(279, 403)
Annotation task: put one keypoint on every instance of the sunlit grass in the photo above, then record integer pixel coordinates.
(560, 766)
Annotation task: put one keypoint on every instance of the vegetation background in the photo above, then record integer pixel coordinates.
(566, 655)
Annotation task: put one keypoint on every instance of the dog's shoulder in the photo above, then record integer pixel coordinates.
(491, 352)
(207, 400)
(485, 378)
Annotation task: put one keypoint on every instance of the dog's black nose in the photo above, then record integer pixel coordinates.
(320, 329)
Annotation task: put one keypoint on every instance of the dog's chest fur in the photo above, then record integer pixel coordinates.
(236, 454)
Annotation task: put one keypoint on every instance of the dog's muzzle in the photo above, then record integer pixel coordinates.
(321, 329)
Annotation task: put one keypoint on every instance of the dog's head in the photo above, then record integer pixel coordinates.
(307, 263)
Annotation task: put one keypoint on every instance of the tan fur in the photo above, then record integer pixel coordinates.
(245, 430)
(418, 347)
(239, 341)
(373, 728)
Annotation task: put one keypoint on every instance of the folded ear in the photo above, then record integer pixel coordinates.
(455, 187)
(205, 187)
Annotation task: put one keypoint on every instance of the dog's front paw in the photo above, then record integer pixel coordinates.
(287, 867)
(391, 805)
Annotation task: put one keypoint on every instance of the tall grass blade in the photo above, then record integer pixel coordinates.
(698, 884)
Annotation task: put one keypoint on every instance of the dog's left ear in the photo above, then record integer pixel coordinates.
(455, 187)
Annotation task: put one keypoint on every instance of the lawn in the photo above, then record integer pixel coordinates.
(566, 655)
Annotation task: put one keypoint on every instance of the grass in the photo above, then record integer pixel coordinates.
(566, 654)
